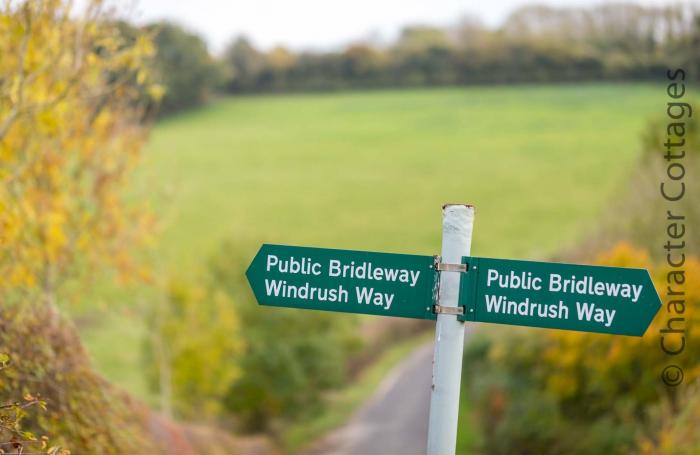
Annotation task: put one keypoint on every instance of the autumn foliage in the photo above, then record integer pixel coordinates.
(70, 132)
(551, 391)
(69, 135)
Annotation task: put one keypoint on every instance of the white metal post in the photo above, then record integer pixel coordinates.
(457, 225)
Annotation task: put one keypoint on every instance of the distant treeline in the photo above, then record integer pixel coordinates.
(535, 44)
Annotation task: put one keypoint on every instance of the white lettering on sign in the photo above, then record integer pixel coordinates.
(303, 266)
(336, 269)
(368, 295)
(585, 285)
(364, 295)
(584, 311)
(557, 284)
(280, 288)
(588, 312)
(514, 280)
(526, 308)
(367, 271)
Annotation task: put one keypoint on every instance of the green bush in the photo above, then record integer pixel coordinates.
(194, 348)
(184, 67)
(291, 358)
(552, 392)
(83, 411)
(515, 411)
(636, 212)
(674, 426)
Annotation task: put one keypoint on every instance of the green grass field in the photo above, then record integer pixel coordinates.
(370, 170)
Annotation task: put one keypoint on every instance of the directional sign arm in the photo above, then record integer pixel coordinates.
(384, 284)
(586, 298)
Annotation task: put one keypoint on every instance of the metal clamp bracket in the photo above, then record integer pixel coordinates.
(444, 267)
(456, 310)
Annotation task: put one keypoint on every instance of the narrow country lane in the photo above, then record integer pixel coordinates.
(394, 421)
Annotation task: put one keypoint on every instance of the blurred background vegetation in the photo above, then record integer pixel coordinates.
(141, 172)
(536, 44)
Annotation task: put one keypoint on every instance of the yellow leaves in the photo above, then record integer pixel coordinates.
(64, 156)
(133, 57)
(55, 237)
(22, 277)
(92, 59)
(614, 353)
(156, 92)
(14, 91)
(5, 22)
(48, 122)
(104, 121)
(144, 46)
(4, 360)
(573, 360)
(8, 226)
(625, 255)
(108, 43)
(562, 384)
(692, 273)
(196, 336)
(141, 76)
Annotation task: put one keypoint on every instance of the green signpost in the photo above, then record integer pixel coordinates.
(585, 298)
(340, 280)
(558, 296)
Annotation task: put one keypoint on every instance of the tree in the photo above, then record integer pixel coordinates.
(363, 65)
(290, 358)
(183, 65)
(193, 349)
(71, 91)
(417, 39)
(278, 62)
(555, 391)
(69, 135)
(244, 64)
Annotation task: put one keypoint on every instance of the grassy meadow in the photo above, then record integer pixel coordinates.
(370, 170)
